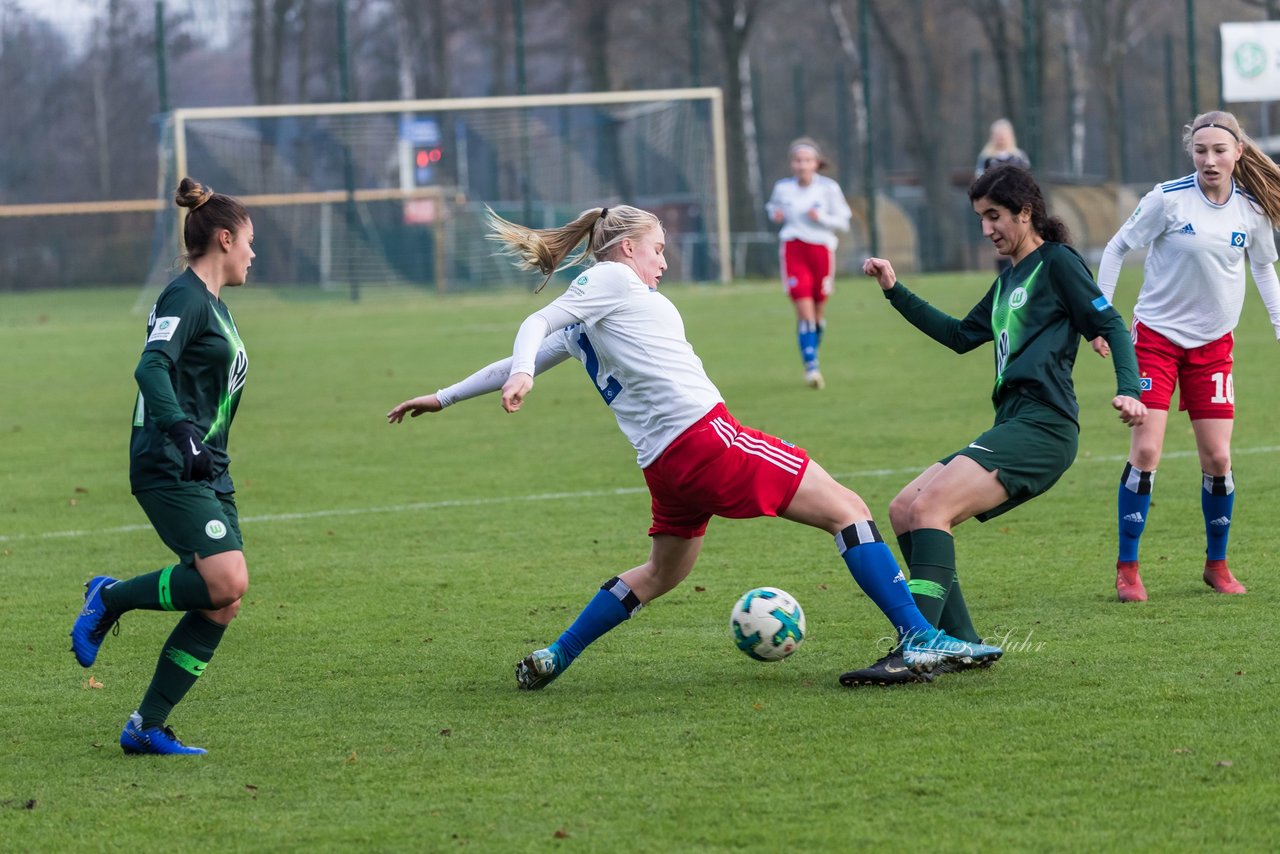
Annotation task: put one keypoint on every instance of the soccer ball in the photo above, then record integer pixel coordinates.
(767, 624)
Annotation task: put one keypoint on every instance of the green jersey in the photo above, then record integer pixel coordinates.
(1036, 313)
(191, 330)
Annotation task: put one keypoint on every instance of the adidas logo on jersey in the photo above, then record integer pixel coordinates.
(1133, 517)
(1188, 230)
(1221, 521)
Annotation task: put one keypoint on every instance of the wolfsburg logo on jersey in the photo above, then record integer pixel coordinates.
(1018, 298)
(239, 370)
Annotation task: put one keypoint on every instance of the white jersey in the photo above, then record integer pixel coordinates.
(1193, 281)
(631, 340)
(795, 202)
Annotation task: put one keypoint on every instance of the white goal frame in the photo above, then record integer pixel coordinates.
(710, 94)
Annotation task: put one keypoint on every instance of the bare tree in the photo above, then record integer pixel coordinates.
(1076, 70)
(732, 21)
(271, 33)
(850, 49)
(1108, 25)
(1000, 25)
(919, 79)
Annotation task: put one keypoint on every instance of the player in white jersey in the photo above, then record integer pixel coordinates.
(1201, 229)
(810, 208)
(698, 461)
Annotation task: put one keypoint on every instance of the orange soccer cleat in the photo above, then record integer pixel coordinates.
(1128, 583)
(1217, 576)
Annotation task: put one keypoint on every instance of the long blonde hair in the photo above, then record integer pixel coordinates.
(990, 150)
(547, 250)
(1254, 171)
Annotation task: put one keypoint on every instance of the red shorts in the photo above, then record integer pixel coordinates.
(806, 270)
(719, 468)
(1204, 373)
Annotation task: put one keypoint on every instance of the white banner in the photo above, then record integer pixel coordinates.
(1251, 61)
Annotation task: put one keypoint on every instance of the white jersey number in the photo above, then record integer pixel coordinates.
(1224, 388)
(611, 388)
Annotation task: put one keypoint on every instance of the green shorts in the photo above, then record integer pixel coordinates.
(192, 519)
(1029, 447)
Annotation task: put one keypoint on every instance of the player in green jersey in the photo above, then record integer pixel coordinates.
(190, 377)
(1036, 313)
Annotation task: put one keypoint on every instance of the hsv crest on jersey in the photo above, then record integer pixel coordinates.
(1237, 238)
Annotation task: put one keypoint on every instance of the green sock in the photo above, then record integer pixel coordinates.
(955, 619)
(904, 546)
(175, 588)
(933, 571)
(182, 659)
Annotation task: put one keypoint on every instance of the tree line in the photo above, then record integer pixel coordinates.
(1097, 89)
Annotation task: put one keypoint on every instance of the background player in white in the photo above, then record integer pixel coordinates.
(698, 460)
(810, 208)
(1200, 229)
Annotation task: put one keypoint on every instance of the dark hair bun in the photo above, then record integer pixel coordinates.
(191, 194)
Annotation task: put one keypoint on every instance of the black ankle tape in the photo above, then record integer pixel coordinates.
(858, 534)
(1136, 480)
(1218, 484)
(619, 588)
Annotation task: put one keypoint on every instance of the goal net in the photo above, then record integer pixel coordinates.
(362, 196)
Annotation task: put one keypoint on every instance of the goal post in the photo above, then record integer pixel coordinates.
(366, 195)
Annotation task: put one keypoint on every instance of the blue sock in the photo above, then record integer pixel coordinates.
(807, 335)
(612, 604)
(1131, 509)
(822, 327)
(1217, 497)
(873, 567)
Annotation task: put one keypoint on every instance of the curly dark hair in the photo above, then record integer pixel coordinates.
(1013, 187)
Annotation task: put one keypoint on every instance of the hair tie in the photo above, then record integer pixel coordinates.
(604, 212)
(1234, 135)
(208, 194)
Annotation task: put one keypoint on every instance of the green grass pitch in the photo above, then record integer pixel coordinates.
(364, 698)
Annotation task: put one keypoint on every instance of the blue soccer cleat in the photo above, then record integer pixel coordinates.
(924, 652)
(153, 740)
(537, 670)
(93, 623)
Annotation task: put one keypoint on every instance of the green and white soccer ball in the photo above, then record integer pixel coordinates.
(767, 624)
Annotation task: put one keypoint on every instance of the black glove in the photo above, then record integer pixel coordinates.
(197, 462)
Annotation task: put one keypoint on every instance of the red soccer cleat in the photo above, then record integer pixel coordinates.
(1128, 583)
(1217, 576)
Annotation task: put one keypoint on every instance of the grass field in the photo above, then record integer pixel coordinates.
(364, 697)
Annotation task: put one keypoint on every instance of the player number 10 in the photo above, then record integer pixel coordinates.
(1224, 388)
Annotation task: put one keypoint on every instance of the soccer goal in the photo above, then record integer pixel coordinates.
(357, 196)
